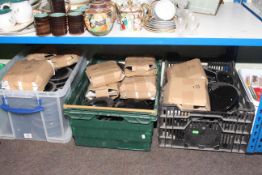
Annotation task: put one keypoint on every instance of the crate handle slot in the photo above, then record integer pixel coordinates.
(109, 118)
(211, 119)
(206, 117)
(7, 108)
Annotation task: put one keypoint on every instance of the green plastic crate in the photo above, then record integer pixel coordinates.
(2, 66)
(105, 127)
(122, 131)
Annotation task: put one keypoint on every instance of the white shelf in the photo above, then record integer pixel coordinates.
(233, 25)
(4, 61)
(253, 9)
(248, 66)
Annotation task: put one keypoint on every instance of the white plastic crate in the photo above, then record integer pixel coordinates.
(243, 74)
(36, 115)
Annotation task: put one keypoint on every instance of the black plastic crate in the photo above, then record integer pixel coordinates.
(208, 130)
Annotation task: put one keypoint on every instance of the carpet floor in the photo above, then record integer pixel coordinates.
(42, 158)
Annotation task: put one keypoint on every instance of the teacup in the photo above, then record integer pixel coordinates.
(21, 10)
(7, 20)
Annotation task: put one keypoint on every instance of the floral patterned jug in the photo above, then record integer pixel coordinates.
(130, 17)
(99, 18)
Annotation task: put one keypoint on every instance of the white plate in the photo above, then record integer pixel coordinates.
(18, 27)
(165, 10)
(29, 29)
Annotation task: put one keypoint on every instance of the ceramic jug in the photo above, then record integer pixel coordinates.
(99, 18)
(21, 10)
(110, 4)
(130, 17)
(7, 21)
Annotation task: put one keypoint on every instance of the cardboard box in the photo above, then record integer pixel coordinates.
(138, 88)
(187, 94)
(104, 73)
(140, 66)
(28, 75)
(192, 69)
(111, 91)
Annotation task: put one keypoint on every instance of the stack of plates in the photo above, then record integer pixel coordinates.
(157, 25)
(20, 29)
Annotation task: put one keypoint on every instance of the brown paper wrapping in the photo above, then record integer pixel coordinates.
(140, 66)
(138, 88)
(59, 61)
(110, 90)
(190, 94)
(39, 56)
(28, 75)
(190, 69)
(104, 73)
